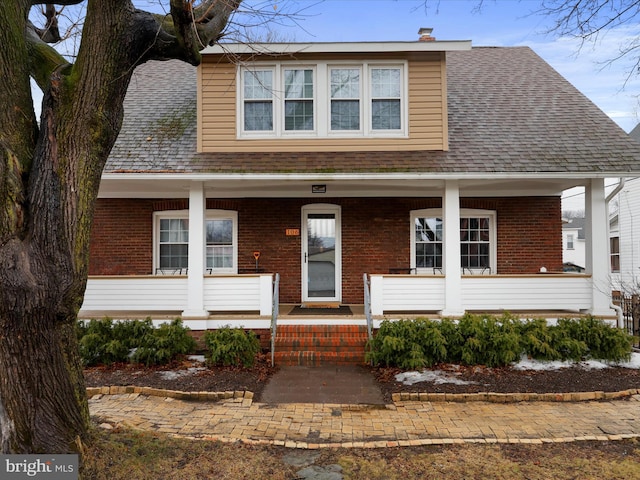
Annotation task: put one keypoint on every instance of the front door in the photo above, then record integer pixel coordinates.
(321, 254)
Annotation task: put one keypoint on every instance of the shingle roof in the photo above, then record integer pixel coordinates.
(509, 112)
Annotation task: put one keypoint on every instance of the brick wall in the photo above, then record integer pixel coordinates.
(121, 239)
(375, 236)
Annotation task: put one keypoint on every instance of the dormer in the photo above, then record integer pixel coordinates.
(296, 97)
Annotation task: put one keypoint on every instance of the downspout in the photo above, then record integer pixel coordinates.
(611, 196)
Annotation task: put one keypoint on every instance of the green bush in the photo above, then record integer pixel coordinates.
(163, 344)
(99, 342)
(106, 342)
(602, 341)
(487, 340)
(494, 341)
(538, 340)
(407, 344)
(231, 346)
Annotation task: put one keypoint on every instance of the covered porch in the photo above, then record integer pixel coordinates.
(211, 299)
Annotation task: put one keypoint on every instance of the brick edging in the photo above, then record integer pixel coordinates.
(178, 395)
(512, 397)
(396, 397)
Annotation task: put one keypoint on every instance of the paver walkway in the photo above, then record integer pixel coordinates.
(306, 425)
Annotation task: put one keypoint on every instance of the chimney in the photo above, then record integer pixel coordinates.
(425, 35)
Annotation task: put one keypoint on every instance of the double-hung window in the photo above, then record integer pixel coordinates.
(173, 245)
(220, 244)
(349, 100)
(570, 242)
(172, 242)
(345, 90)
(477, 241)
(427, 242)
(298, 99)
(258, 100)
(385, 99)
(614, 243)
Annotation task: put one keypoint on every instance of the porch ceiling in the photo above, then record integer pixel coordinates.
(296, 186)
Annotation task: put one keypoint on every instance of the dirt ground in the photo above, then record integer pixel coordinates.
(192, 376)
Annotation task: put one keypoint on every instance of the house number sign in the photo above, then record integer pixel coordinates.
(292, 232)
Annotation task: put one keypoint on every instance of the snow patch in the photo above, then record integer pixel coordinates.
(173, 374)
(540, 365)
(436, 376)
(440, 377)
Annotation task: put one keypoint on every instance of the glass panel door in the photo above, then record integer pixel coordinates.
(321, 256)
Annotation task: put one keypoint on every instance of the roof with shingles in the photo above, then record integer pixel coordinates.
(509, 112)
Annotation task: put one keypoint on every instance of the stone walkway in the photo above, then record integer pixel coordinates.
(404, 423)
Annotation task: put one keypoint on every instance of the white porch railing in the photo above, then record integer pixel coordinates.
(483, 292)
(170, 293)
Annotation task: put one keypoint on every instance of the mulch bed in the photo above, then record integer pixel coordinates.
(499, 380)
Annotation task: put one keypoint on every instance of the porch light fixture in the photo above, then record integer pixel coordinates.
(318, 189)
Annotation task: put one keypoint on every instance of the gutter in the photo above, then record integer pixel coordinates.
(611, 196)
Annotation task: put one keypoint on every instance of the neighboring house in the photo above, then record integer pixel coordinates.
(573, 245)
(624, 250)
(434, 168)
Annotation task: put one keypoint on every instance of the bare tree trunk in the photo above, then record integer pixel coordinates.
(49, 179)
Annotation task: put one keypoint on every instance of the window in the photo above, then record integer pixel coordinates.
(321, 100)
(428, 242)
(220, 244)
(258, 100)
(298, 103)
(477, 241)
(385, 99)
(614, 243)
(174, 245)
(345, 99)
(172, 248)
(570, 242)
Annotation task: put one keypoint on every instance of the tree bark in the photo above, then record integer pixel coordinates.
(49, 179)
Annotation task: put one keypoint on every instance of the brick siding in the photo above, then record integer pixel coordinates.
(375, 236)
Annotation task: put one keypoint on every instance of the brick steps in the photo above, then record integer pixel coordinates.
(316, 345)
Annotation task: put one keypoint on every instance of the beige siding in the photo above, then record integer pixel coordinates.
(217, 121)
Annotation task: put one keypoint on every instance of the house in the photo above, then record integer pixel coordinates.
(430, 171)
(624, 250)
(573, 245)
(624, 233)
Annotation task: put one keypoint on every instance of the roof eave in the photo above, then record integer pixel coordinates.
(336, 47)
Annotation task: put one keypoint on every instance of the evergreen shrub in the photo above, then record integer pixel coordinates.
(231, 346)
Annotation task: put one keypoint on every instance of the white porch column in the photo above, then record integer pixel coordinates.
(597, 246)
(195, 279)
(451, 246)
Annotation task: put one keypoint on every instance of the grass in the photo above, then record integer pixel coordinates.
(125, 454)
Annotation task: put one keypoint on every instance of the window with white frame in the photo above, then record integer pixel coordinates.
(345, 90)
(258, 100)
(324, 99)
(477, 241)
(298, 99)
(570, 242)
(172, 245)
(614, 243)
(385, 99)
